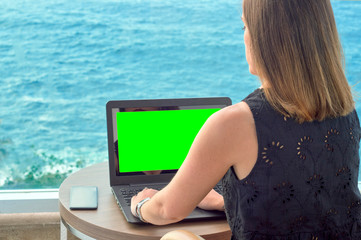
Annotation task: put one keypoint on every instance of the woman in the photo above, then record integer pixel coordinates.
(289, 152)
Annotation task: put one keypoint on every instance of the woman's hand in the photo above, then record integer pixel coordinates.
(213, 201)
(146, 192)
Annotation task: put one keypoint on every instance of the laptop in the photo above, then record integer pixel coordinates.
(148, 141)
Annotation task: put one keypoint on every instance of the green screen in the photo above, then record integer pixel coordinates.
(157, 140)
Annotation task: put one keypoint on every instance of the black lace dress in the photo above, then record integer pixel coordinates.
(304, 183)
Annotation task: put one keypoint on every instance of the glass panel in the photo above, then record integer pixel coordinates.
(62, 60)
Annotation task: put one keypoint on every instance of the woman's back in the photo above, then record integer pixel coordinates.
(304, 183)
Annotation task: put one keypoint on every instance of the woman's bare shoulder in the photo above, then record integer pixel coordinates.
(233, 130)
(234, 115)
(231, 124)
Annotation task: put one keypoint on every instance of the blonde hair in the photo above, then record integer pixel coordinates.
(298, 55)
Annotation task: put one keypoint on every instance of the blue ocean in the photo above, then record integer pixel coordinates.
(62, 60)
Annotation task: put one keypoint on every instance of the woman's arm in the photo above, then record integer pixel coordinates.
(221, 143)
(213, 201)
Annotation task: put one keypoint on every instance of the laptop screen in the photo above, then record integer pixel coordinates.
(150, 140)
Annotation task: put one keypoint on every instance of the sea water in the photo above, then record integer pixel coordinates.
(62, 60)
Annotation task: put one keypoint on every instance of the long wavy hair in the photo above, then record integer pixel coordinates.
(298, 55)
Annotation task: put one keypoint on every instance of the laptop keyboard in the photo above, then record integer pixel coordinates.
(128, 193)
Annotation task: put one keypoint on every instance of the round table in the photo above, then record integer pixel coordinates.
(108, 222)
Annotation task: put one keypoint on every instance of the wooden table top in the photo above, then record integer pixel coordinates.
(108, 222)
